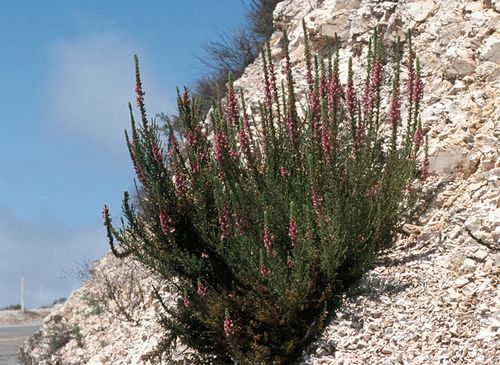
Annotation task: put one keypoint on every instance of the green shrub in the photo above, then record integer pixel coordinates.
(259, 222)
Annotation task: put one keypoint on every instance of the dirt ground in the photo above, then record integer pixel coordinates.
(16, 317)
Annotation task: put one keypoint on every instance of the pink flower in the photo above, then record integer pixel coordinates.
(264, 271)
(201, 290)
(139, 93)
(179, 184)
(232, 105)
(377, 75)
(418, 88)
(317, 200)
(228, 326)
(238, 222)
(186, 301)
(244, 139)
(224, 224)
(360, 135)
(156, 152)
(190, 138)
(418, 138)
(351, 102)
(204, 255)
(173, 147)
(283, 172)
(166, 223)
(268, 244)
(325, 143)
(395, 110)
(292, 230)
(105, 212)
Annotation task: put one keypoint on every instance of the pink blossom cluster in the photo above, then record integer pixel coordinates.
(360, 135)
(179, 183)
(418, 138)
(326, 143)
(244, 137)
(395, 109)
(376, 77)
(292, 230)
(166, 223)
(418, 88)
(156, 152)
(139, 93)
(228, 326)
(268, 241)
(201, 290)
(232, 106)
(105, 212)
(351, 100)
(317, 200)
(173, 146)
(268, 91)
(224, 224)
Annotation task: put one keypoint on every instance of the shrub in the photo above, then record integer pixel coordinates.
(261, 221)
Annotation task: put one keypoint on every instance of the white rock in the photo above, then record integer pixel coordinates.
(420, 10)
(461, 62)
(480, 255)
(460, 283)
(485, 334)
(491, 50)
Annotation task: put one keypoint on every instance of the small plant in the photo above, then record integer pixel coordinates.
(121, 291)
(93, 304)
(75, 334)
(258, 222)
(57, 341)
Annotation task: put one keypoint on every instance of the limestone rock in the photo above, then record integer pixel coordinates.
(491, 50)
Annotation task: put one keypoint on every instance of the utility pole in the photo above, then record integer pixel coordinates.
(22, 294)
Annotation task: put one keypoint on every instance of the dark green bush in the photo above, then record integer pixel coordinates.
(259, 222)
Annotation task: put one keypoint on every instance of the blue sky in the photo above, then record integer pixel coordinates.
(66, 76)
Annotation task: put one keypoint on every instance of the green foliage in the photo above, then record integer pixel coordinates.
(93, 305)
(258, 222)
(76, 334)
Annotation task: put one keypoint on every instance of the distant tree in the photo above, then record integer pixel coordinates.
(233, 52)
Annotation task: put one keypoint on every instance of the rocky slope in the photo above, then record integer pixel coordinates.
(434, 298)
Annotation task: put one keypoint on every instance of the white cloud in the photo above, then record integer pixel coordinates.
(92, 81)
(48, 256)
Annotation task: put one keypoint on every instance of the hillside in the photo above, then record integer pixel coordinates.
(435, 297)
